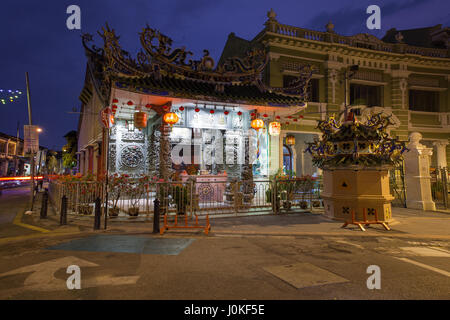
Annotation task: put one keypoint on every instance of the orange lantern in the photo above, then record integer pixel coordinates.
(170, 118)
(140, 119)
(290, 140)
(257, 124)
(274, 128)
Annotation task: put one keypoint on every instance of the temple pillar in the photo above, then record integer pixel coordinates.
(165, 161)
(417, 175)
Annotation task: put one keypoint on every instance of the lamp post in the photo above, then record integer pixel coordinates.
(30, 122)
(348, 74)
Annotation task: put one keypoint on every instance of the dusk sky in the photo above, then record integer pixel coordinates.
(34, 38)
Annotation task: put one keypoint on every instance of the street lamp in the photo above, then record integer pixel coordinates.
(348, 74)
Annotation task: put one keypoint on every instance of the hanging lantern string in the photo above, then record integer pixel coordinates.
(8, 95)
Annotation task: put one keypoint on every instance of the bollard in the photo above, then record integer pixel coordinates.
(156, 216)
(97, 216)
(63, 214)
(44, 204)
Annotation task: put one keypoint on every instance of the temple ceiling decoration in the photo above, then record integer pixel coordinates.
(159, 69)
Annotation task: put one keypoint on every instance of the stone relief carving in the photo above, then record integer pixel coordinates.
(112, 157)
(132, 157)
(133, 136)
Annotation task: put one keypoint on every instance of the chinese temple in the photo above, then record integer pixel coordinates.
(163, 112)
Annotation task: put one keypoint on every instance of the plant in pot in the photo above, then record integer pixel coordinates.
(135, 192)
(180, 197)
(117, 185)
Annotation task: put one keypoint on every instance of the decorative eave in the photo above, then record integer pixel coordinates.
(158, 67)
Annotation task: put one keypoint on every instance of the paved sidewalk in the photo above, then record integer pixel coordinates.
(405, 223)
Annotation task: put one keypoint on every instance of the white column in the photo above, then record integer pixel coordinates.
(417, 175)
(441, 153)
(274, 154)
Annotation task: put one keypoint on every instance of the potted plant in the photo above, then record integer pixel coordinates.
(116, 186)
(180, 197)
(136, 191)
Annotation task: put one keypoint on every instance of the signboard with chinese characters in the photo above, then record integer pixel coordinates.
(31, 139)
(207, 120)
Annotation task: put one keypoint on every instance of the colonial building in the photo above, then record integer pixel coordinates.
(13, 160)
(11, 155)
(406, 75)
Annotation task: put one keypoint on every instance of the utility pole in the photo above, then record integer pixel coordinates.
(347, 76)
(30, 122)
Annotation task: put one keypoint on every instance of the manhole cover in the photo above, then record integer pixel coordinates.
(301, 275)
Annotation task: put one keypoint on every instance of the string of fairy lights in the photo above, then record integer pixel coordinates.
(9, 96)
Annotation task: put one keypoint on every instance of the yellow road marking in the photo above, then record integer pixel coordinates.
(18, 221)
(38, 235)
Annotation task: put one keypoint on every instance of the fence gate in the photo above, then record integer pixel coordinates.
(397, 185)
(440, 187)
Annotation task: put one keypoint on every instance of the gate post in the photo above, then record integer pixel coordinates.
(44, 204)
(417, 175)
(63, 214)
(97, 213)
(156, 216)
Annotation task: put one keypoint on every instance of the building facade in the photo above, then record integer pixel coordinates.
(11, 155)
(405, 75)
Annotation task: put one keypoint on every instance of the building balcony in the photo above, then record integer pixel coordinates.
(429, 120)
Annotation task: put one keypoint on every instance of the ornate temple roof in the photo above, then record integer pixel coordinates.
(205, 91)
(160, 70)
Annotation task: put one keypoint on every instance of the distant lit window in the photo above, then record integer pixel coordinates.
(131, 125)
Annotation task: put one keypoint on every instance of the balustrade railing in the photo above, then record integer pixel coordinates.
(297, 32)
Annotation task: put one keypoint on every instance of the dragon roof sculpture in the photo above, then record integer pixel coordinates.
(157, 60)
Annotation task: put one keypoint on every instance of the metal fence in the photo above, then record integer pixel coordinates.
(440, 186)
(397, 185)
(190, 197)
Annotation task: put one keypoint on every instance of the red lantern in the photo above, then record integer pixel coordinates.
(114, 107)
(181, 108)
(287, 122)
(115, 100)
(295, 120)
(265, 115)
(211, 111)
(170, 118)
(278, 117)
(166, 108)
(140, 120)
(239, 113)
(252, 114)
(226, 112)
(257, 124)
(301, 117)
(148, 106)
(197, 109)
(290, 117)
(130, 103)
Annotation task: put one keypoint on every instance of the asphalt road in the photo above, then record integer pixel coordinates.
(217, 267)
